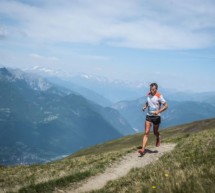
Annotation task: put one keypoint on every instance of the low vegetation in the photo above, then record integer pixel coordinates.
(188, 167)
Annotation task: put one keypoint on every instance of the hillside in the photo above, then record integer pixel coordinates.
(40, 121)
(189, 167)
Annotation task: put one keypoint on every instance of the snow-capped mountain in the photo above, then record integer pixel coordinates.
(34, 81)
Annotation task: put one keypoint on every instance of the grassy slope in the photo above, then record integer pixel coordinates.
(188, 168)
(88, 162)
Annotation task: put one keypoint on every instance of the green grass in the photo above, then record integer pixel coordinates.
(45, 177)
(48, 187)
(172, 134)
(88, 162)
(189, 168)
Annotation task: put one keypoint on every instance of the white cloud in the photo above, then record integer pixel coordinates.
(168, 24)
(42, 70)
(40, 57)
(36, 56)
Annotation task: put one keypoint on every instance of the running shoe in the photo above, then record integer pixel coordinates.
(141, 151)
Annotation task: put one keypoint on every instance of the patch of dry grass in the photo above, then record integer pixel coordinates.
(14, 178)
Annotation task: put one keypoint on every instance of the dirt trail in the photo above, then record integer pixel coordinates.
(119, 169)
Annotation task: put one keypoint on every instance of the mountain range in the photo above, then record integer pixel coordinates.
(111, 90)
(45, 118)
(184, 106)
(40, 121)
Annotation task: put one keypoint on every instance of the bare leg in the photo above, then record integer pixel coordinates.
(157, 134)
(146, 134)
(155, 128)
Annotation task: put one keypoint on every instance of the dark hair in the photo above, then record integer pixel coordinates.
(154, 84)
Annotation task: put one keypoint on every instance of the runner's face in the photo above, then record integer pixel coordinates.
(153, 90)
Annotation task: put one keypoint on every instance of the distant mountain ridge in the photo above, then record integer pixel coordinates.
(116, 90)
(113, 90)
(87, 93)
(121, 90)
(178, 112)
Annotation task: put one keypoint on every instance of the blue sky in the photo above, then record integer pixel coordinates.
(171, 42)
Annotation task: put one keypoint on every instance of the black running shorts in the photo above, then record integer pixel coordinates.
(153, 119)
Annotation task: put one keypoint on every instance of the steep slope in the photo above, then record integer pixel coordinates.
(39, 122)
(111, 115)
